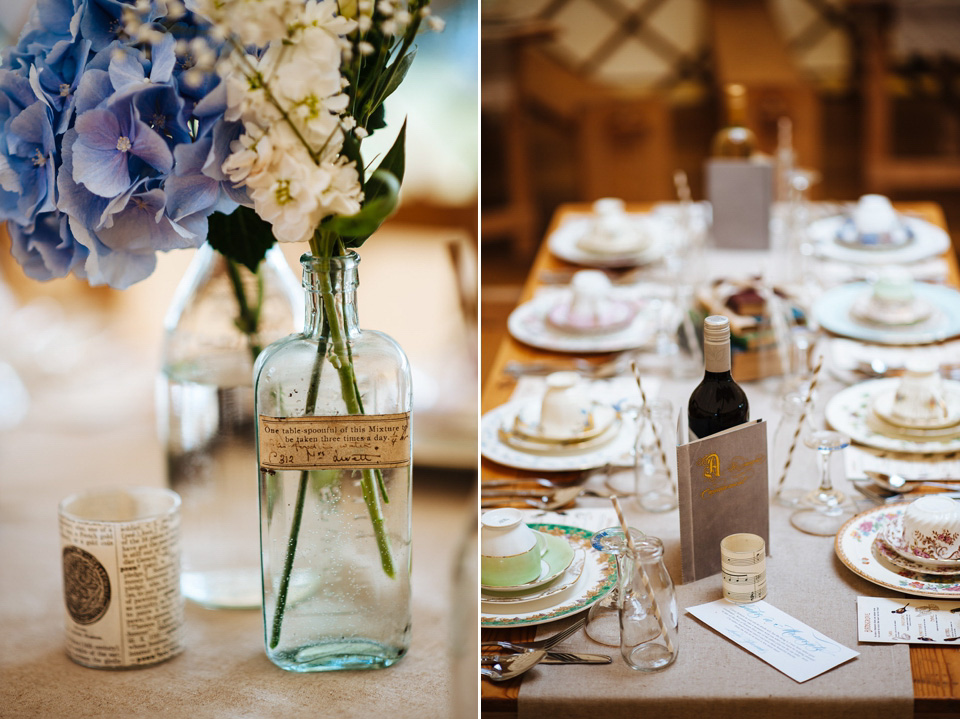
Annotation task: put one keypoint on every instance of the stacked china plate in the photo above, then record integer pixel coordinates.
(590, 315)
(924, 537)
(921, 407)
(610, 237)
(535, 573)
(564, 421)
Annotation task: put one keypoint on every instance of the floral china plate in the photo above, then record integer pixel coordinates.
(855, 547)
(496, 445)
(892, 535)
(882, 548)
(928, 241)
(851, 410)
(557, 556)
(565, 243)
(611, 315)
(883, 406)
(529, 323)
(598, 577)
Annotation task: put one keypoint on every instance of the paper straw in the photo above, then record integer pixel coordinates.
(643, 574)
(653, 426)
(807, 401)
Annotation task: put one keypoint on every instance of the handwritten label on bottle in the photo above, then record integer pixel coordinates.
(370, 441)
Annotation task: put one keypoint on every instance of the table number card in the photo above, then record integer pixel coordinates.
(785, 643)
(722, 491)
(908, 621)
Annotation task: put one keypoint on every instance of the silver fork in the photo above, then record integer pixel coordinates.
(547, 642)
(604, 370)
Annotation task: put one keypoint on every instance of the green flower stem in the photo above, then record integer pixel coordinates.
(248, 319)
(351, 397)
(312, 391)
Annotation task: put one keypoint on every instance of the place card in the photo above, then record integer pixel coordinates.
(785, 643)
(723, 490)
(908, 621)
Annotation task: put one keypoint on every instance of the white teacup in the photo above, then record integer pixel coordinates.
(920, 397)
(510, 551)
(565, 409)
(931, 527)
(874, 215)
(614, 231)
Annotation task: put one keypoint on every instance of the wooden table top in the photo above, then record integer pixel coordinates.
(935, 670)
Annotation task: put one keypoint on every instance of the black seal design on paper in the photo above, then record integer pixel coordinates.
(86, 586)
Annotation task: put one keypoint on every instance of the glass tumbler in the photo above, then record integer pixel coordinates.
(648, 609)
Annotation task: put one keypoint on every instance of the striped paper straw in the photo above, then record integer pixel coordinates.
(643, 574)
(653, 426)
(807, 401)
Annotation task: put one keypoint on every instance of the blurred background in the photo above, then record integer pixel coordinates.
(582, 99)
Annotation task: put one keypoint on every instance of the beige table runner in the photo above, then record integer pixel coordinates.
(713, 677)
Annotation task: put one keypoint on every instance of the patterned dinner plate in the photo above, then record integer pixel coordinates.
(855, 546)
(928, 241)
(563, 243)
(598, 577)
(850, 409)
(492, 446)
(529, 324)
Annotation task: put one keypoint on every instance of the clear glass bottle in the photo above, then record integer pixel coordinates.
(648, 612)
(205, 415)
(335, 514)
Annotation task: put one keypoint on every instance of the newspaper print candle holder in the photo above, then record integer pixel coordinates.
(121, 576)
(743, 566)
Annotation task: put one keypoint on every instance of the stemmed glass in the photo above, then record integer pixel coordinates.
(603, 617)
(823, 513)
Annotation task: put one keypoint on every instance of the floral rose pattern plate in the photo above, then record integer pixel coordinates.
(855, 547)
(598, 577)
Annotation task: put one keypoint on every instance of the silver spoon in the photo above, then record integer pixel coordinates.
(900, 485)
(508, 666)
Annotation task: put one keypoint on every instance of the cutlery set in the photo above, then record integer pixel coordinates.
(526, 655)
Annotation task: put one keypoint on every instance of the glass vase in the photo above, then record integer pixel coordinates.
(220, 318)
(333, 436)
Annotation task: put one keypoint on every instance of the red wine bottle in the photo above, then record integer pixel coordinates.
(718, 402)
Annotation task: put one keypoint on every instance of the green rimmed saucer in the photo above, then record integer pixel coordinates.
(557, 556)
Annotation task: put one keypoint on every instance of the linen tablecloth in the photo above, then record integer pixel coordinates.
(712, 676)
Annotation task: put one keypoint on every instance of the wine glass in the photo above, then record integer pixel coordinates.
(603, 618)
(823, 513)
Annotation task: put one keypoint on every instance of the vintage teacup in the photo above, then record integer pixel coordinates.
(892, 299)
(510, 551)
(613, 231)
(931, 527)
(875, 224)
(920, 397)
(565, 409)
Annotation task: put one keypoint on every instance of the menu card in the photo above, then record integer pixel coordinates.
(908, 621)
(785, 643)
(722, 482)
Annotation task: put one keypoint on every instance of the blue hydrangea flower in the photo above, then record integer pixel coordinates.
(107, 155)
(27, 172)
(50, 250)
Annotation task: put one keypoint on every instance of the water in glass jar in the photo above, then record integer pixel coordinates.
(207, 419)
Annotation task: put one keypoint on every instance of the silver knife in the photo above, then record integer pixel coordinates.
(558, 658)
(575, 658)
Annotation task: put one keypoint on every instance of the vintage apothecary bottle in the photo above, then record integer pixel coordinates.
(334, 450)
